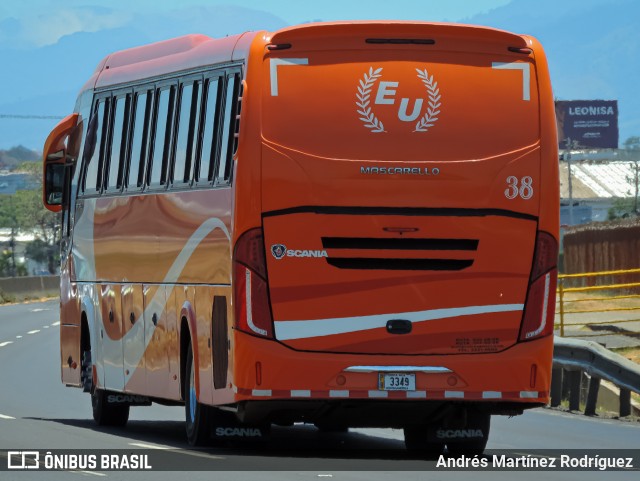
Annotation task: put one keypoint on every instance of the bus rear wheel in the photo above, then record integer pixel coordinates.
(470, 447)
(416, 441)
(196, 414)
(106, 414)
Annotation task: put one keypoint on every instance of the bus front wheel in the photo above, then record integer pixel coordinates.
(104, 412)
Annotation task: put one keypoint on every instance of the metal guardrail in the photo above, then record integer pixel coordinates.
(607, 303)
(574, 356)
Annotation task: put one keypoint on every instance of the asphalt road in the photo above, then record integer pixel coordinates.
(38, 412)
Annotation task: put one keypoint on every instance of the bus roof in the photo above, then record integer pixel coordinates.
(196, 50)
(404, 29)
(173, 55)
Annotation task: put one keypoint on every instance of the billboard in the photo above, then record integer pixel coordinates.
(587, 123)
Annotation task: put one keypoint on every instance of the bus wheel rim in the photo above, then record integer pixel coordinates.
(192, 396)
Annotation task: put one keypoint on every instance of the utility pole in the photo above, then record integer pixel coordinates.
(12, 240)
(567, 157)
(636, 182)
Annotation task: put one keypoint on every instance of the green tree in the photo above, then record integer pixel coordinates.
(23, 211)
(622, 208)
(632, 146)
(9, 220)
(32, 216)
(632, 143)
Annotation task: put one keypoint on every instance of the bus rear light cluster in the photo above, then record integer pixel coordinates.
(252, 309)
(539, 310)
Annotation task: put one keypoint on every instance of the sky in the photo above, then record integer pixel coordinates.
(44, 22)
(38, 37)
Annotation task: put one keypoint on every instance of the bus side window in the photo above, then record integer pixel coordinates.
(93, 177)
(186, 132)
(118, 147)
(139, 141)
(228, 129)
(205, 165)
(162, 138)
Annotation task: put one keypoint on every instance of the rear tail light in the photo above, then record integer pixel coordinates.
(252, 309)
(539, 310)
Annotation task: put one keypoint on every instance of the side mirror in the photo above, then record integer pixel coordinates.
(56, 162)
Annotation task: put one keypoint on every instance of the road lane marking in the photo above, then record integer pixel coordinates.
(45, 327)
(6, 343)
(176, 450)
(2, 416)
(149, 446)
(18, 337)
(39, 310)
(35, 331)
(55, 324)
(87, 472)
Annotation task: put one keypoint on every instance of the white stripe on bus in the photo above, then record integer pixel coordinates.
(157, 304)
(304, 329)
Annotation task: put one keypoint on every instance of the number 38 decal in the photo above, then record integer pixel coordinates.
(519, 187)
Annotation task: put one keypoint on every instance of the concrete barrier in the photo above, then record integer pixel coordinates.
(30, 287)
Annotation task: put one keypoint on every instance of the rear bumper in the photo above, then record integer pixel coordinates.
(267, 371)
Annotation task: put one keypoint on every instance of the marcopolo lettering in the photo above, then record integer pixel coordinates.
(400, 171)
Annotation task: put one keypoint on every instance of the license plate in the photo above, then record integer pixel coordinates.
(396, 381)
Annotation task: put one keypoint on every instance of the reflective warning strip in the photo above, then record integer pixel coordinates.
(380, 394)
(338, 393)
(262, 392)
(377, 394)
(453, 394)
(416, 394)
(529, 394)
(301, 393)
(491, 395)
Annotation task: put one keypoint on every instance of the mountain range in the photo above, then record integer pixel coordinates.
(592, 46)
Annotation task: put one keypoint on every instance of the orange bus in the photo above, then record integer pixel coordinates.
(344, 224)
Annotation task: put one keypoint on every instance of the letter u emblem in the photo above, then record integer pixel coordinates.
(402, 110)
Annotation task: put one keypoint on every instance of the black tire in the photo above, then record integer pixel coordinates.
(415, 440)
(106, 414)
(86, 374)
(472, 447)
(196, 415)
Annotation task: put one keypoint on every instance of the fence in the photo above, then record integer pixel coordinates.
(20, 288)
(606, 303)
